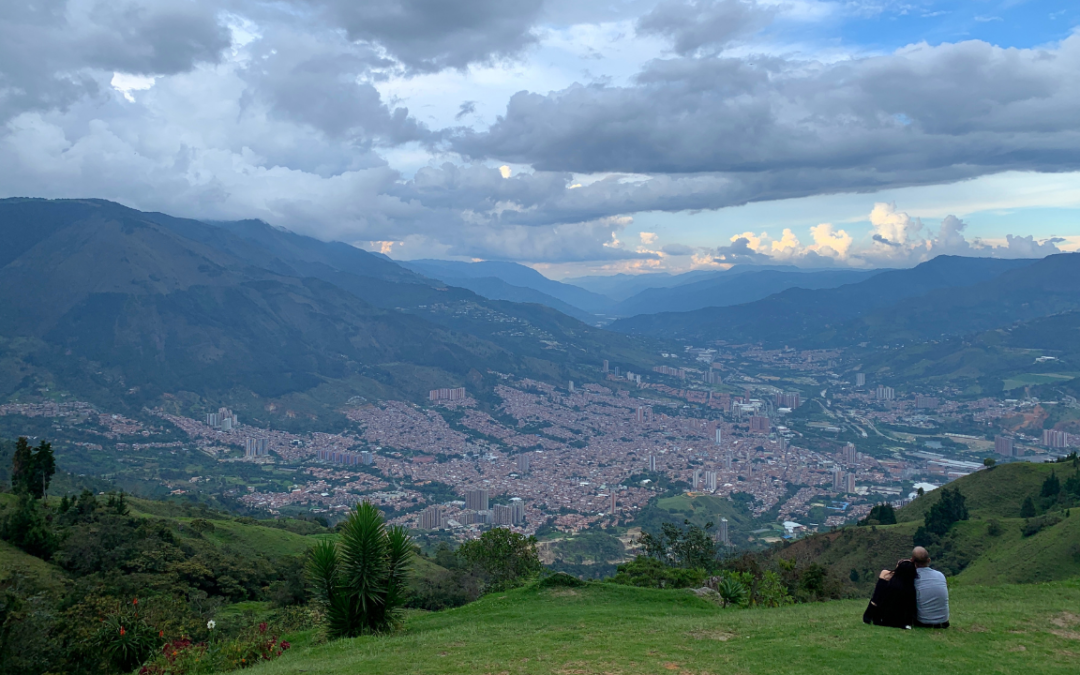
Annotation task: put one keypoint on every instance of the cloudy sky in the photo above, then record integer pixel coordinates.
(578, 137)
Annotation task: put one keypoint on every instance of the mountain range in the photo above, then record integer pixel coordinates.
(628, 296)
(943, 297)
(103, 301)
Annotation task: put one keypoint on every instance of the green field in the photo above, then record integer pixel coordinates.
(603, 628)
(1028, 379)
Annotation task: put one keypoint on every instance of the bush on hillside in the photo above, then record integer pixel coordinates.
(1033, 526)
(647, 572)
(505, 558)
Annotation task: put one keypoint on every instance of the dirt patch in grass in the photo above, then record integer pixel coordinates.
(718, 635)
(1068, 626)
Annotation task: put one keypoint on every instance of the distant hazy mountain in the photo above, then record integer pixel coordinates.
(620, 287)
(514, 275)
(733, 288)
(104, 301)
(832, 316)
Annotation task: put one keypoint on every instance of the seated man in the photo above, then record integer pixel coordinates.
(931, 592)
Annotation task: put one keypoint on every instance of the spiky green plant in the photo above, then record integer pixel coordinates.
(363, 577)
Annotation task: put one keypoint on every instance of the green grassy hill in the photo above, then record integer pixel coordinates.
(603, 628)
(240, 536)
(989, 548)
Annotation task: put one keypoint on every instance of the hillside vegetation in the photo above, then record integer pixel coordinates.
(988, 548)
(604, 628)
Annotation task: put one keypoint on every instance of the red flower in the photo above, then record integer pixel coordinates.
(262, 627)
(161, 633)
(135, 601)
(122, 631)
(285, 645)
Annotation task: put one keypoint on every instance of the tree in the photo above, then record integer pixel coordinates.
(949, 509)
(361, 580)
(1027, 509)
(881, 514)
(1051, 487)
(688, 547)
(505, 557)
(26, 528)
(989, 462)
(32, 468)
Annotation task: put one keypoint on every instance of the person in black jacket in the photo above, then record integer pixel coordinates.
(893, 603)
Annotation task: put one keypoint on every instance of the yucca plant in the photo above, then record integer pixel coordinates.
(362, 578)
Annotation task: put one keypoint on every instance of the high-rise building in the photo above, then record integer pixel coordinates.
(722, 535)
(500, 515)
(719, 435)
(476, 500)
(431, 518)
(652, 463)
(1052, 438)
(606, 369)
(523, 463)
(885, 393)
(860, 379)
(710, 481)
(571, 387)
(928, 402)
(224, 420)
(851, 456)
(837, 479)
(614, 503)
(346, 458)
(256, 447)
(759, 424)
(509, 514)
(790, 399)
(696, 482)
(1003, 445)
(850, 479)
(640, 415)
(457, 394)
(728, 460)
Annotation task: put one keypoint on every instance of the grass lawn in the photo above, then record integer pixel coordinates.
(603, 628)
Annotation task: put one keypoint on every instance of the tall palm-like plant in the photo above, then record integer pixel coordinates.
(362, 578)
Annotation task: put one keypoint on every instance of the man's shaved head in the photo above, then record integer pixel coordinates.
(920, 556)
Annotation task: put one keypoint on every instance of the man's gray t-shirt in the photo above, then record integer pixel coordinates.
(932, 595)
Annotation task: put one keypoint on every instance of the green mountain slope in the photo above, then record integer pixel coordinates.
(733, 289)
(119, 306)
(989, 548)
(992, 361)
(604, 628)
(835, 315)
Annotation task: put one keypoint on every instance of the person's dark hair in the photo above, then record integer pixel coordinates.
(905, 571)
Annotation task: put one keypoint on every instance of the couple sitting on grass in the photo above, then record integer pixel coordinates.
(912, 595)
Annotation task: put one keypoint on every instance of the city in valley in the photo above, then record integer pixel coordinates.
(795, 441)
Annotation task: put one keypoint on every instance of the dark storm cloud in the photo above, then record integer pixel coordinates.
(314, 80)
(925, 114)
(431, 35)
(49, 49)
(702, 24)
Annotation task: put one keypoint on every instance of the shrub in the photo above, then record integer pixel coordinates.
(647, 572)
(361, 581)
(1033, 526)
(506, 558)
